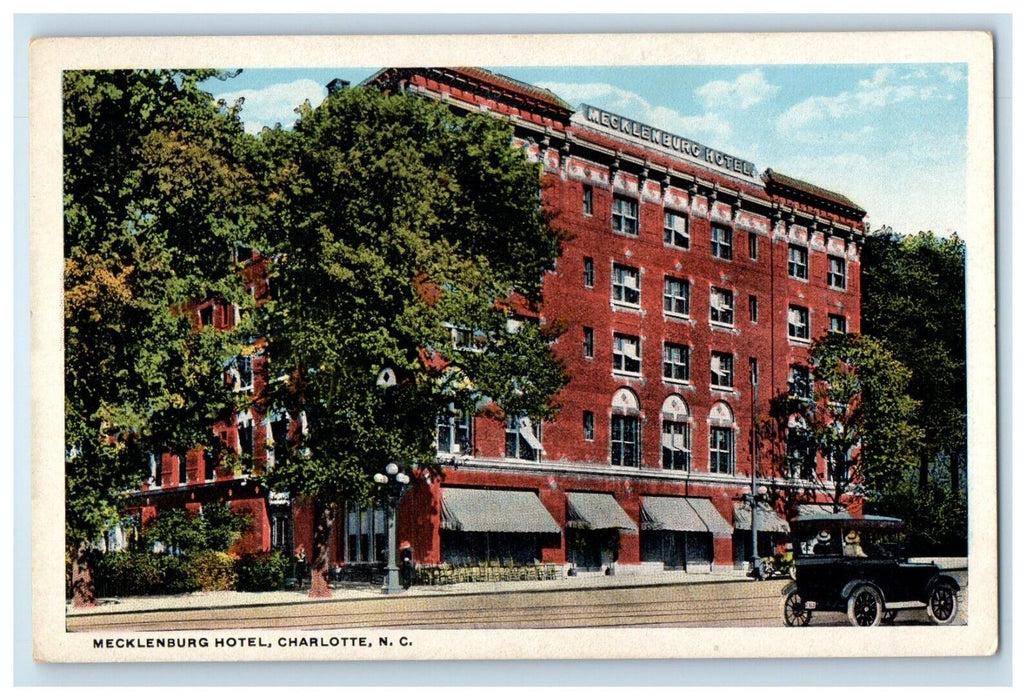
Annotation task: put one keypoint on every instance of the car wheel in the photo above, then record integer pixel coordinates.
(793, 611)
(864, 608)
(943, 604)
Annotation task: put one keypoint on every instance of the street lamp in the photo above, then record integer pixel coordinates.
(396, 483)
(753, 495)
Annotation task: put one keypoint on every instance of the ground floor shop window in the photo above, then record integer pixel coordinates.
(365, 534)
(677, 550)
(592, 550)
(495, 548)
(767, 544)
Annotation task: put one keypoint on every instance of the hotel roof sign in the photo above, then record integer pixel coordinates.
(629, 129)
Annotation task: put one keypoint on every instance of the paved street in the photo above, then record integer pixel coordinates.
(668, 600)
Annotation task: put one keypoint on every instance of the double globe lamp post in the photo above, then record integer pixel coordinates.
(396, 482)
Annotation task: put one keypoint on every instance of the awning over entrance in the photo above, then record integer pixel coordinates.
(597, 511)
(679, 514)
(767, 519)
(487, 510)
(813, 509)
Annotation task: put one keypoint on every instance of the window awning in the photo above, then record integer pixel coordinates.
(679, 514)
(488, 510)
(767, 519)
(813, 509)
(597, 511)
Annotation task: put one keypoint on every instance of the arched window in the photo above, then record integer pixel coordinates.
(625, 430)
(722, 439)
(675, 434)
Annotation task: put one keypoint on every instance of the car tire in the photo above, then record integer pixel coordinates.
(793, 612)
(942, 607)
(864, 607)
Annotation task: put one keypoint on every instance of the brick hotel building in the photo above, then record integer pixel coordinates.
(689, 276)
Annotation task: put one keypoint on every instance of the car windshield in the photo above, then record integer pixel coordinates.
(833, 539)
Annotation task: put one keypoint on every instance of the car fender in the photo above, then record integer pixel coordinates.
(789, 588)
(942, 578)
(844, 594)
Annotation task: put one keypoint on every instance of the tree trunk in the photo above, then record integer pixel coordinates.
(84, 595)
(321, 556)
(955, 473)
(923, 472)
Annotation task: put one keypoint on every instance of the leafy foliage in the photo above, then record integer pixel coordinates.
(181, 532)
(859, 399)
(262, 572)
(156, 192)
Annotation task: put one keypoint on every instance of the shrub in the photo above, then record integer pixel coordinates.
(210, 571)
(266, 571)
(120, 574)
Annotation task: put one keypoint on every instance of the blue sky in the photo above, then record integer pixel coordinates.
(890, 137)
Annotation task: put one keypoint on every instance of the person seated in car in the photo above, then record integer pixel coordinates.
(852, 544)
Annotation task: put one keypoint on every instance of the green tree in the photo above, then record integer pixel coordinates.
(407, 237)
(185, 534)
(913, 301)
(859, 417)
(156, 192)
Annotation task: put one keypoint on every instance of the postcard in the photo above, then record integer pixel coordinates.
(513, 347)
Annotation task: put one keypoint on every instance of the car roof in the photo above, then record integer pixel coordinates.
(846, 520)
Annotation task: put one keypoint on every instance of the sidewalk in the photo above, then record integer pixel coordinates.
(358, 591)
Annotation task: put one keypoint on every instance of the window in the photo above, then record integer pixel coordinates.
(626, 356)
(207, 315)
(588, 423)
(721, 370)
(800, 382)
(676, 230)
(625, 441)
(797, 261)
(626, 285)
(454, 432)
(753, 247)
(241, 373)
(182, 459)
(676, 296)
(279, 429)
(722, 309)
(837, 272)
(209, 466)
(837, 323)
(753, 309)
(800, 451)
(625, 215)
(721, 242)
(155, 462)
(586, 200)
(589, 343)
(676, 362)
(799, 323)
(243, 253)
(246, 441)
(721, 456)
(589, 273)
(523, 438)
(674, 434)
(625, 430)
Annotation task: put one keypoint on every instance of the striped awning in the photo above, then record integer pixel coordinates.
(679, 514)
(488, 510)
(597, 511)
(767, 519)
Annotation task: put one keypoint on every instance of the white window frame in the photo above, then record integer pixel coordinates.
(722, 376)
(799, 261)
(840, 317)
(627, 354)
(521, 433)
(671, 453)
(798, 320)
(726, 450)
(722, 307)
(671, 364)
(837, 277)
(624, 215)
(676, 290)
(676, 229)
(626, 285)
(720, 242)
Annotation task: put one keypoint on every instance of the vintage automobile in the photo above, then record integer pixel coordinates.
(851, 564)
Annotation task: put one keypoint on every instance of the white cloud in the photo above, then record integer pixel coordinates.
(876, 92)
(953, 74)
(745, 91)
(633, 105)
(275, 103)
